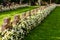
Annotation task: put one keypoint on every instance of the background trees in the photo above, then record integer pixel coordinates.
(57, 1)
(30, 1)
(1, 1)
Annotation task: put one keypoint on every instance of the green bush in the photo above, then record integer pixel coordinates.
(57, 1)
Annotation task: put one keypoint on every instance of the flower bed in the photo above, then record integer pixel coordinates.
(29, 21)
(12, 7)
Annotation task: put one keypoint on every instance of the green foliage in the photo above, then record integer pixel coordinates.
(45, 0)
(57, 1)
(1, 1)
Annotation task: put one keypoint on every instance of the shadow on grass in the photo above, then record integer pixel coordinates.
(49, 29)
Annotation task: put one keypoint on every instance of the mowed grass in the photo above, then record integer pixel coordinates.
(49, 29)
(13, 12)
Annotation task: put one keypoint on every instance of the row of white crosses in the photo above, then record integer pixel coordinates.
(13, 6)
(33, 17)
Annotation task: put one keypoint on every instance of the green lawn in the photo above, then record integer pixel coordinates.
(49, 29)
(13, 12)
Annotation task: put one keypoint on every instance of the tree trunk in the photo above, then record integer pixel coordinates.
(29, 2)
(50, 1)
(39, 2)
(20, 1)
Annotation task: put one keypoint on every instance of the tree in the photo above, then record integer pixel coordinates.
(57, 1)
(1, 1)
